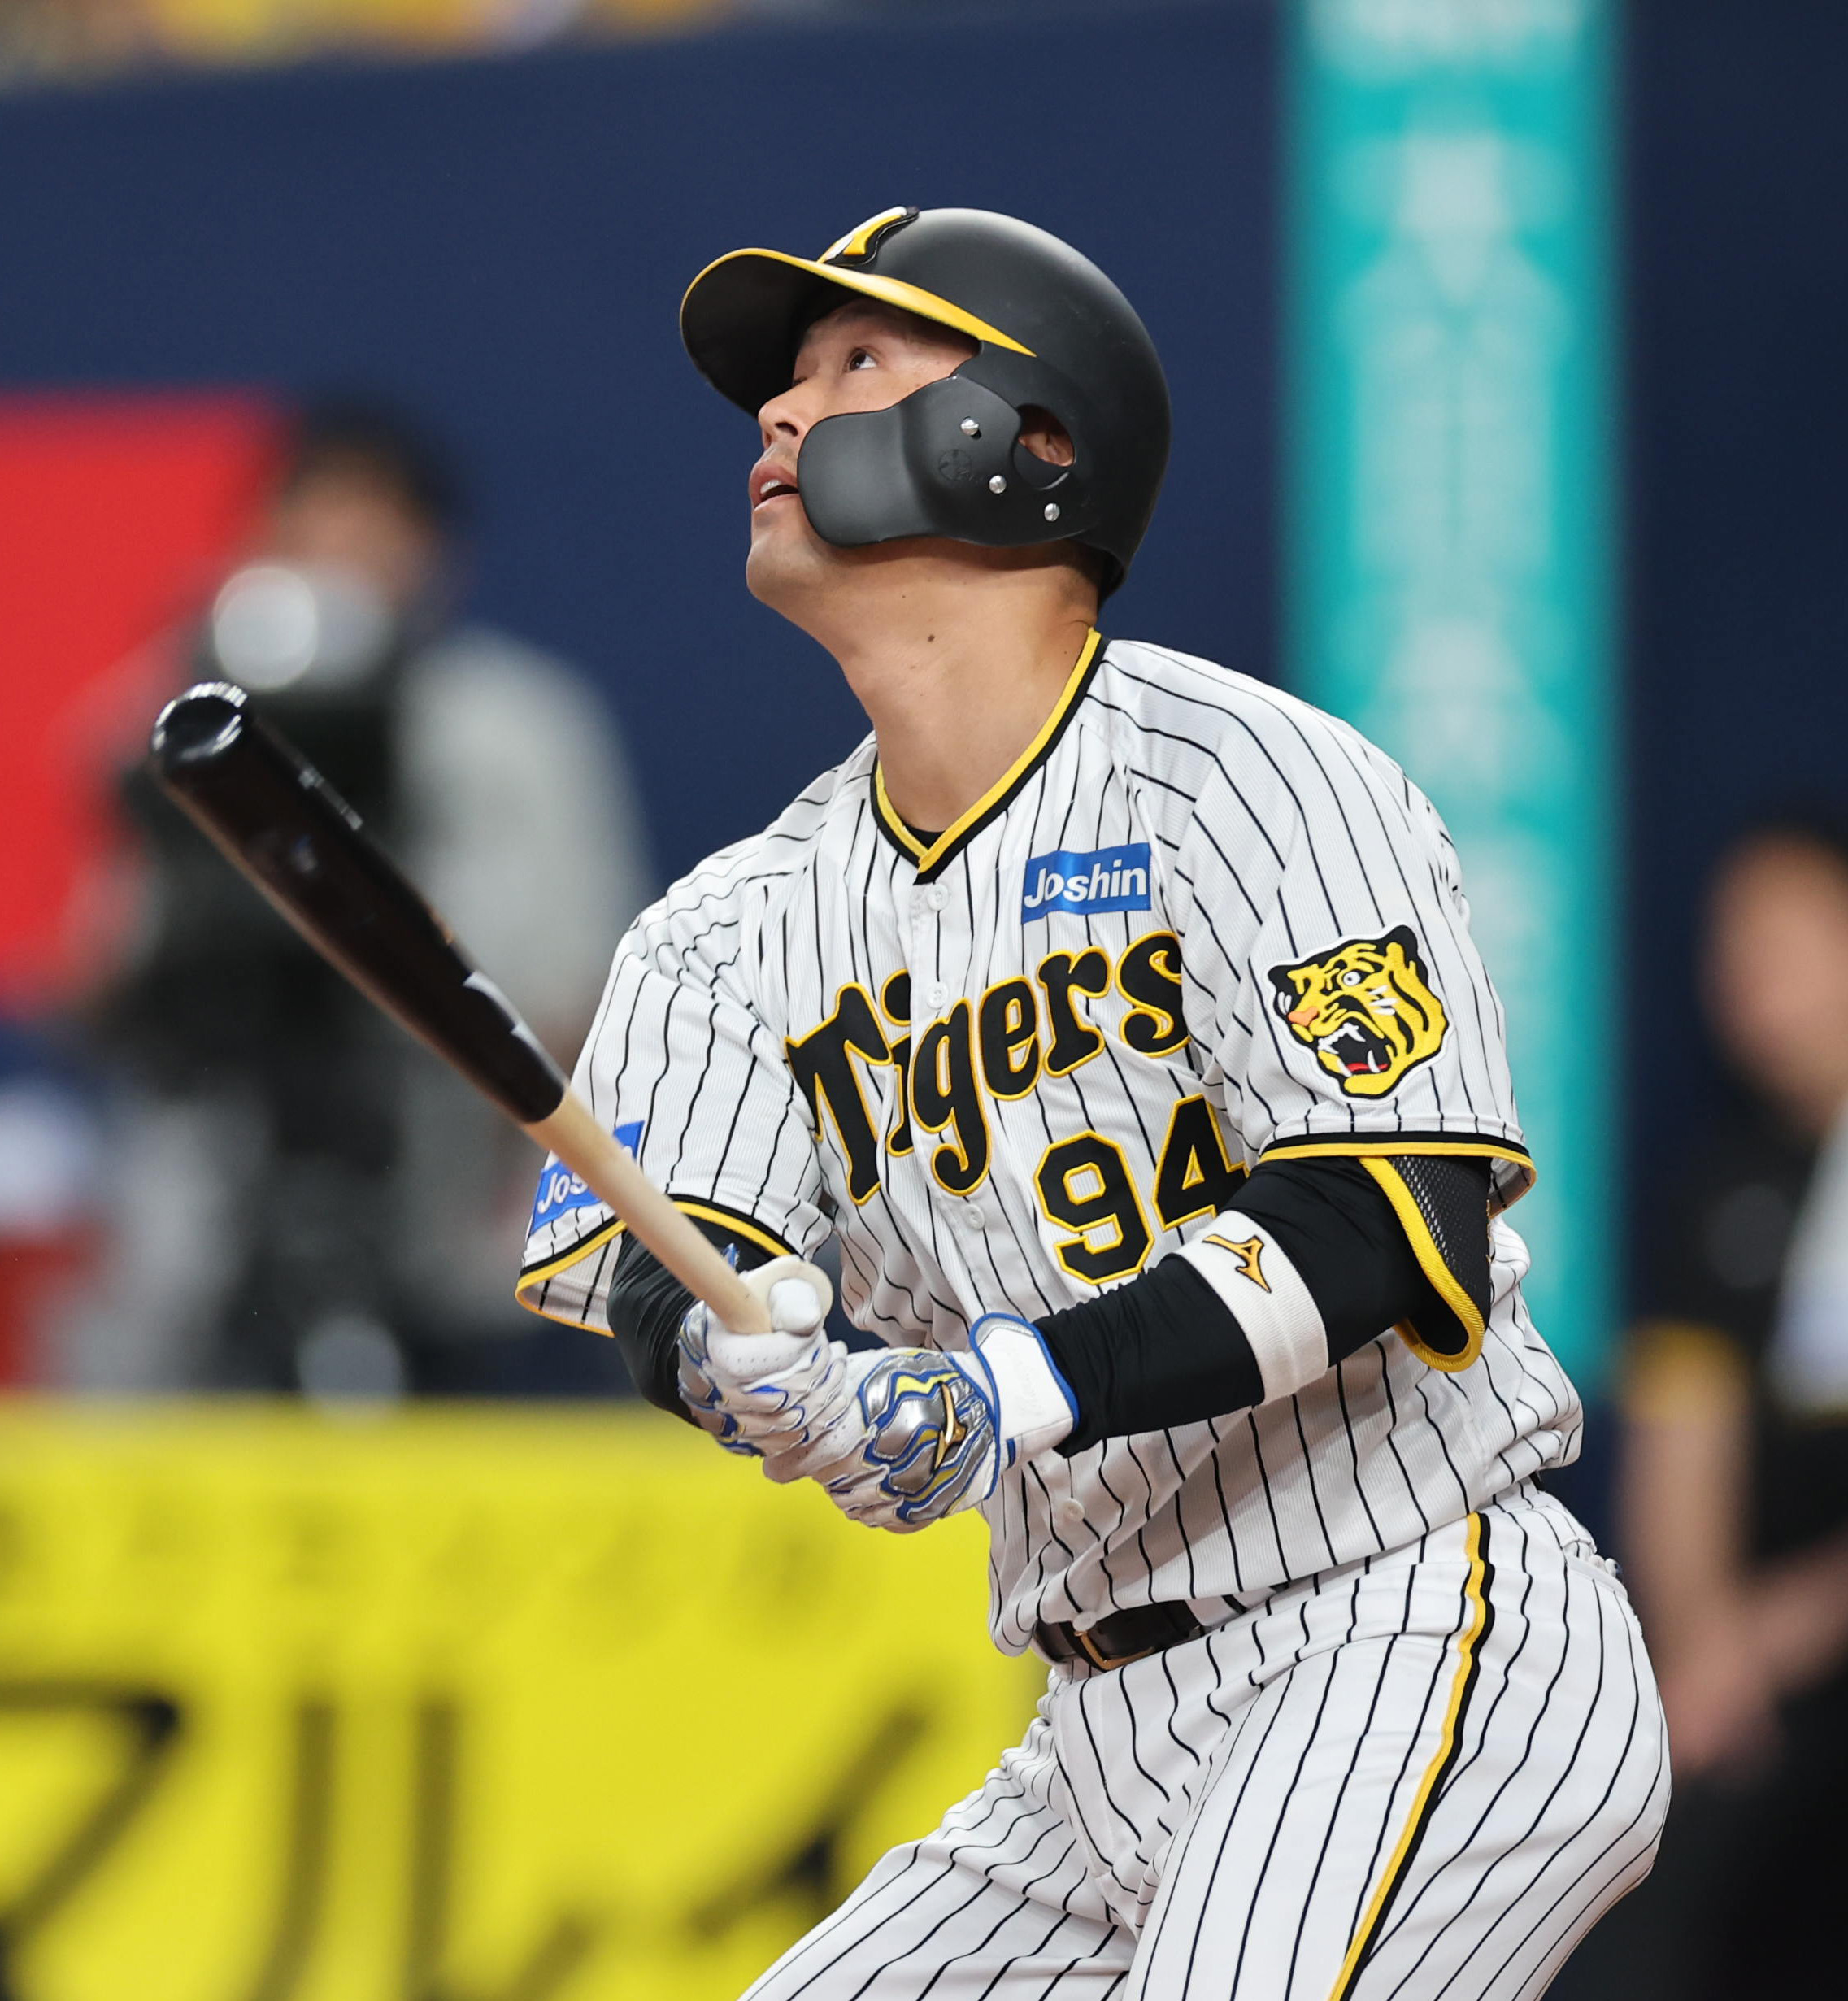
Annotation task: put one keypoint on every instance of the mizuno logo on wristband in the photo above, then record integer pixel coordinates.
(1249, 1255)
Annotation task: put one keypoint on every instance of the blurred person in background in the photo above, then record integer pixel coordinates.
(50, 1153)
(1734, 1491)
(303, 1198)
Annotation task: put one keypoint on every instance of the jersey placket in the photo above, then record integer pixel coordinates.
(941, 943)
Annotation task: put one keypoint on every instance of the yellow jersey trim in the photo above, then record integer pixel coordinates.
(1315, 1145)
(893, 825)
(540, 1275)
(941, 849)
(911, 299)
(1475, 1624)
(1431, 1262)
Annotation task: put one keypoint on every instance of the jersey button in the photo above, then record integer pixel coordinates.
(936, 996)
(972, 1216)
(1069, 1510)
(933, 897)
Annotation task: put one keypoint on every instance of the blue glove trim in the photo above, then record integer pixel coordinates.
(1015, 1320)
(992, 1396)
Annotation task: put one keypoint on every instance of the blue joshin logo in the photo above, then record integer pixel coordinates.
(1105, 879)
(560, 1191)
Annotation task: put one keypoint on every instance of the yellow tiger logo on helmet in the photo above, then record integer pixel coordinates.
(1367, 1009)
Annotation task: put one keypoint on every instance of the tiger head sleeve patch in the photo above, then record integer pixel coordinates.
(1366, 1009)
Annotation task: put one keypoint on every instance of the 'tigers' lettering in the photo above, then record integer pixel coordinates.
(946, 1072)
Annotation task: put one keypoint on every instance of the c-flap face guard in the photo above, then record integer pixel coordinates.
(947, 460)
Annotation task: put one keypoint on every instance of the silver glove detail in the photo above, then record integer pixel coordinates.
(898, 1438)
(923, 1434)
(930, 1442)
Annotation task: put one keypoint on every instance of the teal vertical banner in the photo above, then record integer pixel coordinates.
(1450, 499)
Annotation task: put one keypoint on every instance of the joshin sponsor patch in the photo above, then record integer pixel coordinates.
(1104, 879)
(560, 1191)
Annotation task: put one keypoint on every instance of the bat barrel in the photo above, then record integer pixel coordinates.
(281, 821)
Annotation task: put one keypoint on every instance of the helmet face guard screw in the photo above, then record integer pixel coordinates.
(1052, 511)
(970, 429)
(998, 484)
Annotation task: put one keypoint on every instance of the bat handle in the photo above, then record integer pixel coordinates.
(610, 1172)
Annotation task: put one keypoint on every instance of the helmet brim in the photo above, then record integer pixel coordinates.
(744, 316)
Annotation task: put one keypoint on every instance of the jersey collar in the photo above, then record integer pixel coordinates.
(931, 860)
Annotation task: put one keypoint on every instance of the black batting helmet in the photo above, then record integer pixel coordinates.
(1052, 330)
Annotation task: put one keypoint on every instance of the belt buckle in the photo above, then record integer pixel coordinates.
(1090, 1650)
(1104, 1662)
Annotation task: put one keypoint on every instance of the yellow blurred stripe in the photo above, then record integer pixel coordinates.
(417, 1701)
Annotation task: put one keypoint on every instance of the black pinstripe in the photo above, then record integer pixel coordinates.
(1272, 833)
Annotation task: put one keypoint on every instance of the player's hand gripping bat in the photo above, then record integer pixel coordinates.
(281, 823)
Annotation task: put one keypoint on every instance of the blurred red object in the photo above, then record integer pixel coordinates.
(35, 1272)
(118, 515)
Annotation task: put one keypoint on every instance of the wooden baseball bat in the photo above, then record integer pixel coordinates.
(287, 828)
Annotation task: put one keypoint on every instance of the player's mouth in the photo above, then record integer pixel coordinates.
(770, 483)
(1354, 1050)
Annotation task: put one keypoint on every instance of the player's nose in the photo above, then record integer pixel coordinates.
(783, 417)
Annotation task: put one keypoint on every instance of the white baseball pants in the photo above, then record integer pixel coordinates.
(1418, 1778)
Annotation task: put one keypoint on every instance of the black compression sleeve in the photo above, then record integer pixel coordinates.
(1344, 1236)
(1165, 1350)
(1161, 1350)
(647, 1306)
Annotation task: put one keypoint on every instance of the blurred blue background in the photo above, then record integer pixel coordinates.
(502, 247)
(496, 245)
(480, 216)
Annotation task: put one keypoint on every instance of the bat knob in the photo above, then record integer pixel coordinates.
(202, 724)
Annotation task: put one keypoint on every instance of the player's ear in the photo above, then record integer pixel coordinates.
(1045, 437)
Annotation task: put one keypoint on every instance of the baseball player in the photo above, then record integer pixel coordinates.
(1118, 1017)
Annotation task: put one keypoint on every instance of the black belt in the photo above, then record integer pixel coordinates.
(1119, 1637)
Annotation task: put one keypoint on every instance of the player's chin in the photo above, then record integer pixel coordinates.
(786, 558)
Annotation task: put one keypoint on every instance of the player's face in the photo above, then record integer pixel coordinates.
(346, 517)
(860, 357)
(1777, 974)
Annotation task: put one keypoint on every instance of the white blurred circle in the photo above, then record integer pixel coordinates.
(264, 626)
(272, 625)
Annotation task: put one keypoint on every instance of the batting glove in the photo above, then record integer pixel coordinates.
(755, 1392)
(919, 1434)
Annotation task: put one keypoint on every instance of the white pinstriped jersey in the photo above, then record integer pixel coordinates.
(1199, 924)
